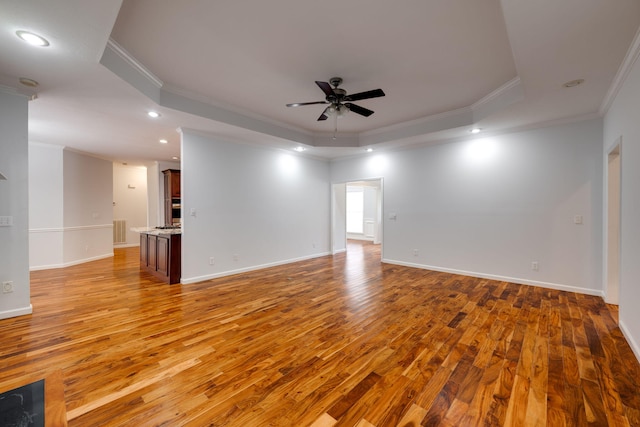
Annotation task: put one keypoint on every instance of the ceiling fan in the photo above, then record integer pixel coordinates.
(338, 100)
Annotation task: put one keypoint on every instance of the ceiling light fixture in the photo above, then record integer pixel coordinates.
(28, 82)
(475, 130)
(369, 150)
(338, 111)
(300, 149)
(573, 83)
(153, 114)
(176, 158)
(32, 39)
(164, 141)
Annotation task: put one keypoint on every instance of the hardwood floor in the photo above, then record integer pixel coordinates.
(341, 340)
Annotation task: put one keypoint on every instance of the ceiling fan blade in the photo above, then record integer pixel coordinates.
(326, 88)
(376, 93)
(358, 109)
(323, 116)
(298, 104)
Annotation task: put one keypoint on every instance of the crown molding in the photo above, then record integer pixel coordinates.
(421, 122)
(497, 93)
(170, 90)
(133, 62)
(47, 145)
(621, 76)
(11, 90)
(498, 100)
(123, 64)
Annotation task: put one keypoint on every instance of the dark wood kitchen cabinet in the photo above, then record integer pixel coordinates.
(172, 199)
(160, 255)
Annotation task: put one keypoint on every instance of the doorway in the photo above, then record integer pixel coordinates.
(356, 213)
(612, 293)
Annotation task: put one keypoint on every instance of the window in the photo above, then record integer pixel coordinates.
(355, 210)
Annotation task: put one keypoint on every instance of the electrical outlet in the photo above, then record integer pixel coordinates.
(6, 221)
(7, 287)
(535, 266)
(212, 260)
(416, 252)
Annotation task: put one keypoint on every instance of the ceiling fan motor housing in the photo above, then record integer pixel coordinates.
(335, 81)
(338, 95)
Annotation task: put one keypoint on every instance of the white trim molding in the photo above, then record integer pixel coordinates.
(186, 281)
(547, 285)
(16, 312)
(76, 228)
(133, 62)
(629, 337)
(621, 76)
(70, 264)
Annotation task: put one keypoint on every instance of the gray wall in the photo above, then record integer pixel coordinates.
(14, 203)
(489, 207)
(71, 207)
(622, 122)
(254, 207)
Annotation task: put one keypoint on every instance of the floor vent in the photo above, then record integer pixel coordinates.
(119, 231)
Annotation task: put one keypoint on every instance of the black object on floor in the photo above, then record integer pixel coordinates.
(23, 406)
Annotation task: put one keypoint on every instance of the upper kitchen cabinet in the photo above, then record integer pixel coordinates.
(172, 203)
(171, 183)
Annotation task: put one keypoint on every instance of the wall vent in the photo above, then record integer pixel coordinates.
(119, 231)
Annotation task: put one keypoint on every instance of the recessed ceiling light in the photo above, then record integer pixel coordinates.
(32, 39)
(369, 150)
(28, 82)
(573, 83)
(164, 141)
(475, 130)
(153, 114)
(300, 149)
(176, 158)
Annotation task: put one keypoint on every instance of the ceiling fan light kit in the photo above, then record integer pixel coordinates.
(339, 102)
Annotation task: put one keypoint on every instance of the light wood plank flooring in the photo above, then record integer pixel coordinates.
(341, 340)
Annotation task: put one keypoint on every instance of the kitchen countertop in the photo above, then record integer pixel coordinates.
(156, 231)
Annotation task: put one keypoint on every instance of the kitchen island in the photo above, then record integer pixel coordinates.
(160, 252)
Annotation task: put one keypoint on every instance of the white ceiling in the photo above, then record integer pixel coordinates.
(228, 68)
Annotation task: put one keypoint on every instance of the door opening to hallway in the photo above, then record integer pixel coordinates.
(357, 214)
(612, 295)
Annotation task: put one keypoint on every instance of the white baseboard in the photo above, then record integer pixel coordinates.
(126, 245)
(16, 312)
(69, 264)
(632, 343)
(186, 281)
(359, 237)
(556, 286)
